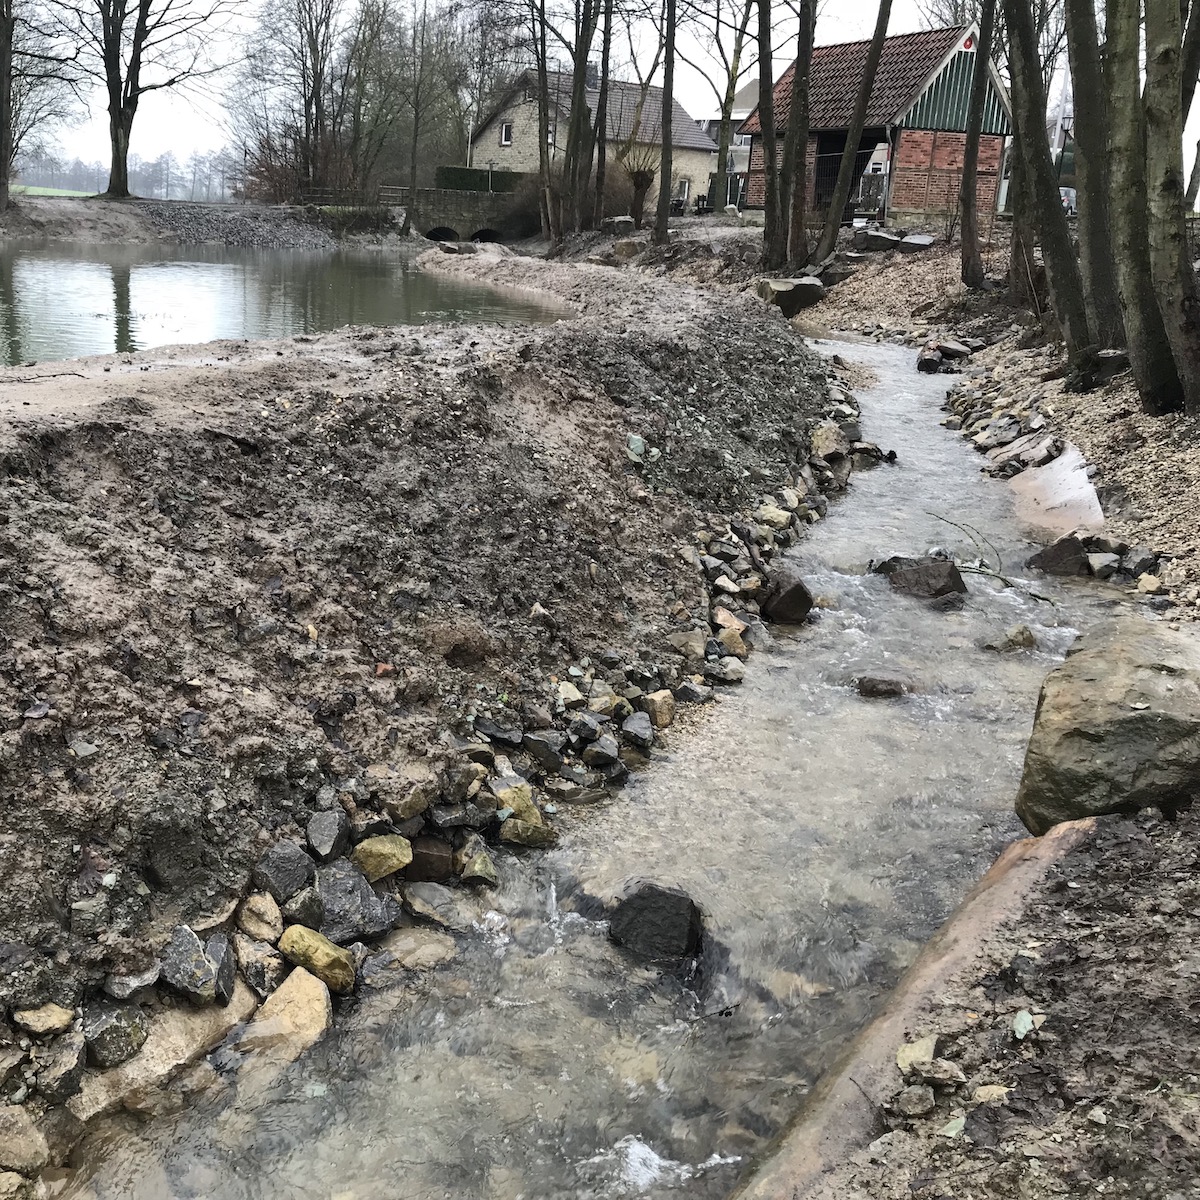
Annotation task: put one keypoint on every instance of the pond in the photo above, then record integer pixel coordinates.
(65, 300)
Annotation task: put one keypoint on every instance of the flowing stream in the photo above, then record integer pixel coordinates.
(824, 835)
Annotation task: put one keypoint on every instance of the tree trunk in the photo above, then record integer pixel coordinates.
(766, 120)
(7, 25)
(550, 215)
(1149, 350)
(1171, 271)
(1029, 111)
(968, 203)
(777, 251)
(577, 154)
(1191, 59)
(827, 242)
(602, 116)
(1091, 175)
(720, 187)
(1022, 277)
(118, 173)
(663, 216)
(1193, 188)
(798, 133)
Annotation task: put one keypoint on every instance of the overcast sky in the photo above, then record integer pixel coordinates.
(183, 124)
(187, 123)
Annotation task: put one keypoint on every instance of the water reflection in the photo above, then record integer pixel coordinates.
(61, 301)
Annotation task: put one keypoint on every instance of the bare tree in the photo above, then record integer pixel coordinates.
(1150, 355)
(37, 84)
(766, 119)
(723, 28)
(1091, 174)
(668, 103)
(827, 242)
(796, 141)
(972, 260)
(1170, 267)
(134, 47)
(1029, 111)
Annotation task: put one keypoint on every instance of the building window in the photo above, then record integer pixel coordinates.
(683, 189)
(506, 133)
(529, 95)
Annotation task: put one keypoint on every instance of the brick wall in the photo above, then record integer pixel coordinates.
(756, 185)
(926, 172)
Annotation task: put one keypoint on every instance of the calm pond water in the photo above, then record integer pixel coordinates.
(61, 300)
(825, 836)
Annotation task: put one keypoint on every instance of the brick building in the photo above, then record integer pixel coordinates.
(909, 160)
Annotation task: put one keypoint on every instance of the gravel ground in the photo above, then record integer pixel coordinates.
(1071, 1049)
(272, 228)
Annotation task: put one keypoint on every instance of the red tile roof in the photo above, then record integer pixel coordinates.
(905, 67)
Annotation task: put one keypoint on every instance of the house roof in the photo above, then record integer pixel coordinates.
(621, 109)
(906, 66)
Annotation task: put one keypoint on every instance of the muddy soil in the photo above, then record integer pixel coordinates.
(237, 580)
(1077, 1035)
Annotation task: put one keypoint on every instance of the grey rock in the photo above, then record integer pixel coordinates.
(1103, 566)
(603, 752)
(60, 1067)
(113, 1034)
(125, 987)
(725, 670)
(586, 727)
(915, 243)
(1066, 556)
(878, 687)
(657, 923)
(220, 953)
(694, 693)
(880, 240)
(1139, 561)
(283, 871)
(1117, 727)
(787, 598)
(187, 968)
(22, 1146)
(929, 360)
(495, 732)
(915, 1101)
(929, 579)
(352, 911)
(546, 748)
(328, 834)
(305, 908)
(262, 966)
(440, 905)
(638, 731)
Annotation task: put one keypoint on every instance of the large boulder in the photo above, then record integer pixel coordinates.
(928, 578)
(657, 923)
(790, 296)
(1067, 556)
(1117, 727)
(787, 598)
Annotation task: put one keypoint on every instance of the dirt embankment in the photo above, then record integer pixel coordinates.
(1064, 1060)
(240, 582)
(96, 220)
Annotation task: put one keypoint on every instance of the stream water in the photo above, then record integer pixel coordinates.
(825, 836)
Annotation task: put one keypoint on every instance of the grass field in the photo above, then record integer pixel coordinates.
(19, 189)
